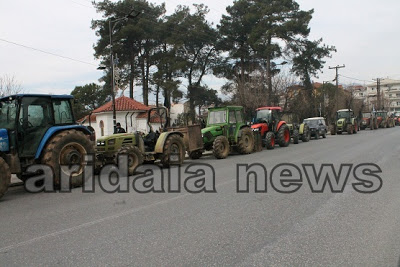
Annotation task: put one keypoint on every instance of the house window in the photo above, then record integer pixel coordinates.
(397, 95)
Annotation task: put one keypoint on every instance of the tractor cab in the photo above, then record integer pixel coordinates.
(27, 118)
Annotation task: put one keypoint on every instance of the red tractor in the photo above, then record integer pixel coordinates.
(268, 122)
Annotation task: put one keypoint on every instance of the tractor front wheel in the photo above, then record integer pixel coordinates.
(349, 129)
(295, 136)
(174, 151)
(196, 154)
(355, 128)
(283, 136)
(270, 140)
(5, 177)
(306, 133)
(135, 157)
(246, 142)
(65, 149)
(221, 147)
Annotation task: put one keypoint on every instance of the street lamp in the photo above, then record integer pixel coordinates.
(111, 27)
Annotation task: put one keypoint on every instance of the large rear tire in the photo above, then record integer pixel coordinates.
(5, 177)
(174, 151)
(135, 157)
(284, 136)
(221, 147)
(68, 148)
(246, 143)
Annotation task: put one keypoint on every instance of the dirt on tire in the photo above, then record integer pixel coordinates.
(173, 146)
(68, 148)
(221, 147)
(5, 177)
(246, 142)
(135, 157)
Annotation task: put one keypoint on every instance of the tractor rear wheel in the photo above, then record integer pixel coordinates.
(5, 177)
(246, 143)
(173, 151)
(283, 136)
(221, 147)
(68, 148)
(295, 136)
(270, 140)
(135, 157)
(355, 128)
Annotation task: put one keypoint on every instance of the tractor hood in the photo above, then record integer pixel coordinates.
(210, 132)
(4, 143)
(341, 121)
(113, 136)
(257, 125)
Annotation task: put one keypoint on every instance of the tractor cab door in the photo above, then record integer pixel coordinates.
(275, 118)
(232, 125)
(35, 118)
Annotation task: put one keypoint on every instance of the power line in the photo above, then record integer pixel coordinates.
(48, 53)
(355, 78)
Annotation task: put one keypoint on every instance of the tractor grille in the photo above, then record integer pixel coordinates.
(127, 141)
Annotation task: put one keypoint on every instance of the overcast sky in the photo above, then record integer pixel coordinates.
(365, 33)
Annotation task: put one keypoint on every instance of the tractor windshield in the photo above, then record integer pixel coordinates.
(216, 117)
(8, 113)
(263, 115)
(312, 123)
(381, 114)
(366, 115)
(343, 115)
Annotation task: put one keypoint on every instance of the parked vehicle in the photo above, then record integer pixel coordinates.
(41, 129)
(317, 127)
(396, 116)
(227, 131)
(345, 122)
(384, 120)
(298, 131)
(167, 147)
(368, 120)
(271, 127)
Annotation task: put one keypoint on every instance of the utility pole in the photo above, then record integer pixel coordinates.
(337, 83)
(378, 93)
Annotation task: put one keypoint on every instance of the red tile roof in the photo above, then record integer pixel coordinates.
(92, 118)
(122, 103)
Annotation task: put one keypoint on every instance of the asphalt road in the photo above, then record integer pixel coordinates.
(223, 228)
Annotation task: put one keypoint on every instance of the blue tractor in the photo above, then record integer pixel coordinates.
(41, 129)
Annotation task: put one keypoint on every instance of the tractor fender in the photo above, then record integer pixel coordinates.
(159, 149)
(280, 124)
(55, 130)
(301, 129)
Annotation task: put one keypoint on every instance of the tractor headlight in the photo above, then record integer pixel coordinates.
(101, 143)
(111, 142)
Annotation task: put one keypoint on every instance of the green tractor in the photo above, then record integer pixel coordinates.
(345, 122)
(41, 129)
(167, 147)
(226, 129)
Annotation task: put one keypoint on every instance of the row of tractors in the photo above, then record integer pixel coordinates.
(37, 130)
(346, 121)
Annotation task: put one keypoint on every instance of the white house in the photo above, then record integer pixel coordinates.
(131, 114)
(390, 94)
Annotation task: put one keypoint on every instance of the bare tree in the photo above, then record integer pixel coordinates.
(282, 86)
(9, 85)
